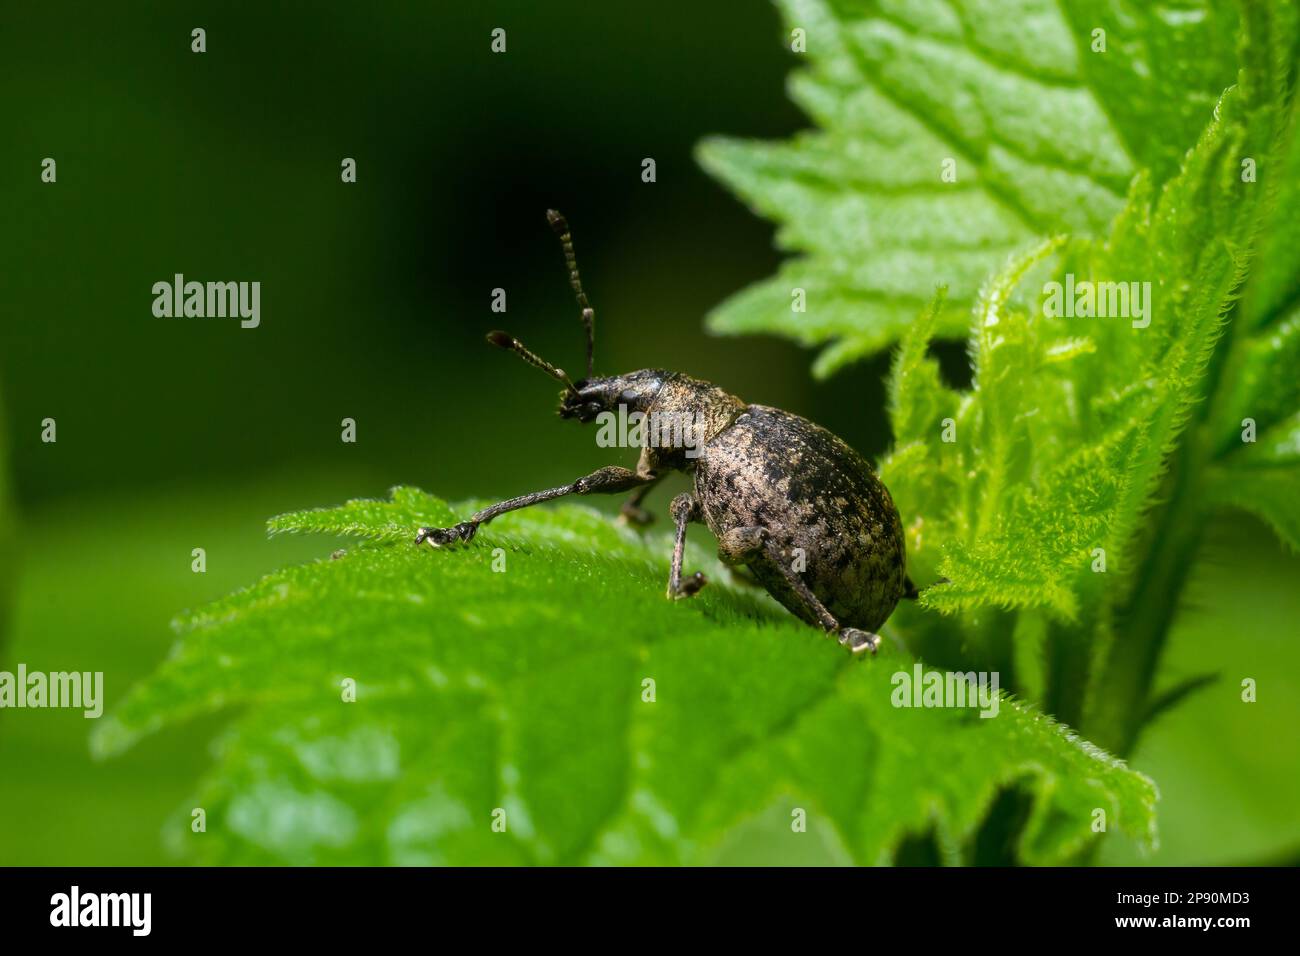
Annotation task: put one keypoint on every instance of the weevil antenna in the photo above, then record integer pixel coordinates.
(561, 227)
(503, 340)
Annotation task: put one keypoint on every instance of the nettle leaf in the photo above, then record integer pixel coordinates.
(1252, 430)
(1262, 389)
(522, 695)
(1274, 288)
(1065, 433)
(952, 133)
(1107, 414)
(1268, 493)
(918, 398)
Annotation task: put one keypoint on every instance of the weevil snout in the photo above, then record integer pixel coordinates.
(633, 392)
(584, 404)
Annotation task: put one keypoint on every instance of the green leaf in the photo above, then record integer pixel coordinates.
(1267, 493)
(918, 399)
(1227, 766)
(523, 691)
(1261, 389)
(1274, 289)
(1044, 133)
(1041, 496)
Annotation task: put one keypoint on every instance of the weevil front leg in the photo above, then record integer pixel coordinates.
(603, 481)
(743, 545)
(684, 509)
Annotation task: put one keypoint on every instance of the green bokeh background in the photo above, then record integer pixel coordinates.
(175, 434)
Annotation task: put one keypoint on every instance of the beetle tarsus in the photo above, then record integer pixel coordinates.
(438, 537)
(859, 641)
(689, 587)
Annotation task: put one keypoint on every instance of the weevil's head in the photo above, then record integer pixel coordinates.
(586, 398)
(634, 391)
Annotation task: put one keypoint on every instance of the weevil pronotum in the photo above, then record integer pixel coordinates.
(786, 498)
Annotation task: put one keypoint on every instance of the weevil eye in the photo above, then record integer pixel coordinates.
(589, 412)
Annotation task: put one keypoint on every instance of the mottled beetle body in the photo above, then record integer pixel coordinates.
(785, 498)
(824, 510)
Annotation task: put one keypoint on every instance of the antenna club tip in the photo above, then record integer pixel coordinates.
(557, 221)
(501, 340)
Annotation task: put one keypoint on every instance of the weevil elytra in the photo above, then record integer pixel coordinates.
(785, 498)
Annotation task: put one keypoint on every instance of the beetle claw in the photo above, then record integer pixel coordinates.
(437, 537)
(859, 641)
(689, 587)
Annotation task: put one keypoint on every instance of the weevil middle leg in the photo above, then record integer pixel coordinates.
(684, 509)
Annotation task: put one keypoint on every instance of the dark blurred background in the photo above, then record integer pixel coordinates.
(375, 295)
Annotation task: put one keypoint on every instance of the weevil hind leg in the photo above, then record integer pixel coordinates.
(745, 545)
(603, 481)
(684, 509)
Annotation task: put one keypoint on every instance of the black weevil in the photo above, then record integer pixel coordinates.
(785, 497)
